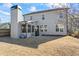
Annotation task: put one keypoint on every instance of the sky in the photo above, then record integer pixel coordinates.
(33, 7)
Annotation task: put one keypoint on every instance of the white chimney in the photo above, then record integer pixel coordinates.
(16, 17)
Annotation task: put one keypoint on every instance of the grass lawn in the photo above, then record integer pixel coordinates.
(61, 46)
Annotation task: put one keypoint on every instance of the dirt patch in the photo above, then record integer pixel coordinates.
(62, 46)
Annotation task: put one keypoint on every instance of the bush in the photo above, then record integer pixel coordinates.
(75, 34)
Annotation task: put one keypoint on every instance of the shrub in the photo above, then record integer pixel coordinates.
(75, 34)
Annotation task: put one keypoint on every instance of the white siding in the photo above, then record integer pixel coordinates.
(51, 19)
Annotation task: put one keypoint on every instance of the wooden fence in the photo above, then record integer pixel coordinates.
(4, 32)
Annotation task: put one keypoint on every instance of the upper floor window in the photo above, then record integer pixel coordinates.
(43, 17)
(45, 26)
(30, 17)
(61, 15)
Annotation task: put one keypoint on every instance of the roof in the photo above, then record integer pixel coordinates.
(46, 11)
(5, 26)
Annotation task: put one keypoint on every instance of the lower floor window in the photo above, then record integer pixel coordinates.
(59, 27)
(41, 30)
(29, 28)
(23, 28)
(32, 28)
(45, 30)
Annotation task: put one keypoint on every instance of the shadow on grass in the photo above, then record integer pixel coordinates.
(29, 42)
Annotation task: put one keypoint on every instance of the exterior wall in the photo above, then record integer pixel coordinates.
(16, 17)
(51, 19)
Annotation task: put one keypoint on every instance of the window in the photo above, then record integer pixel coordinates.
(29, 28)
(45, 30)
(45, 26)
(43, 17)
(23, 28)
(41, 26)
(59, 27)
(61, 15)
(41, 30)
(30, 17)
(32, 28)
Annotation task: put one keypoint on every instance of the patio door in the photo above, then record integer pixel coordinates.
(37, 31)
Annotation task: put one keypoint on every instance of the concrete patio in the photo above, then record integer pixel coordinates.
(32, 42)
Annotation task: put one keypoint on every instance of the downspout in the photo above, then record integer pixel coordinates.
(67, 20)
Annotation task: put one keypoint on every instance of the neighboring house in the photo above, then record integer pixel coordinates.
(5, 26)
(47, 22)
(4, 29)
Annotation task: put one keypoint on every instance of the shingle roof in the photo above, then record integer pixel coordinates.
(5, 26)
(46, 11)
